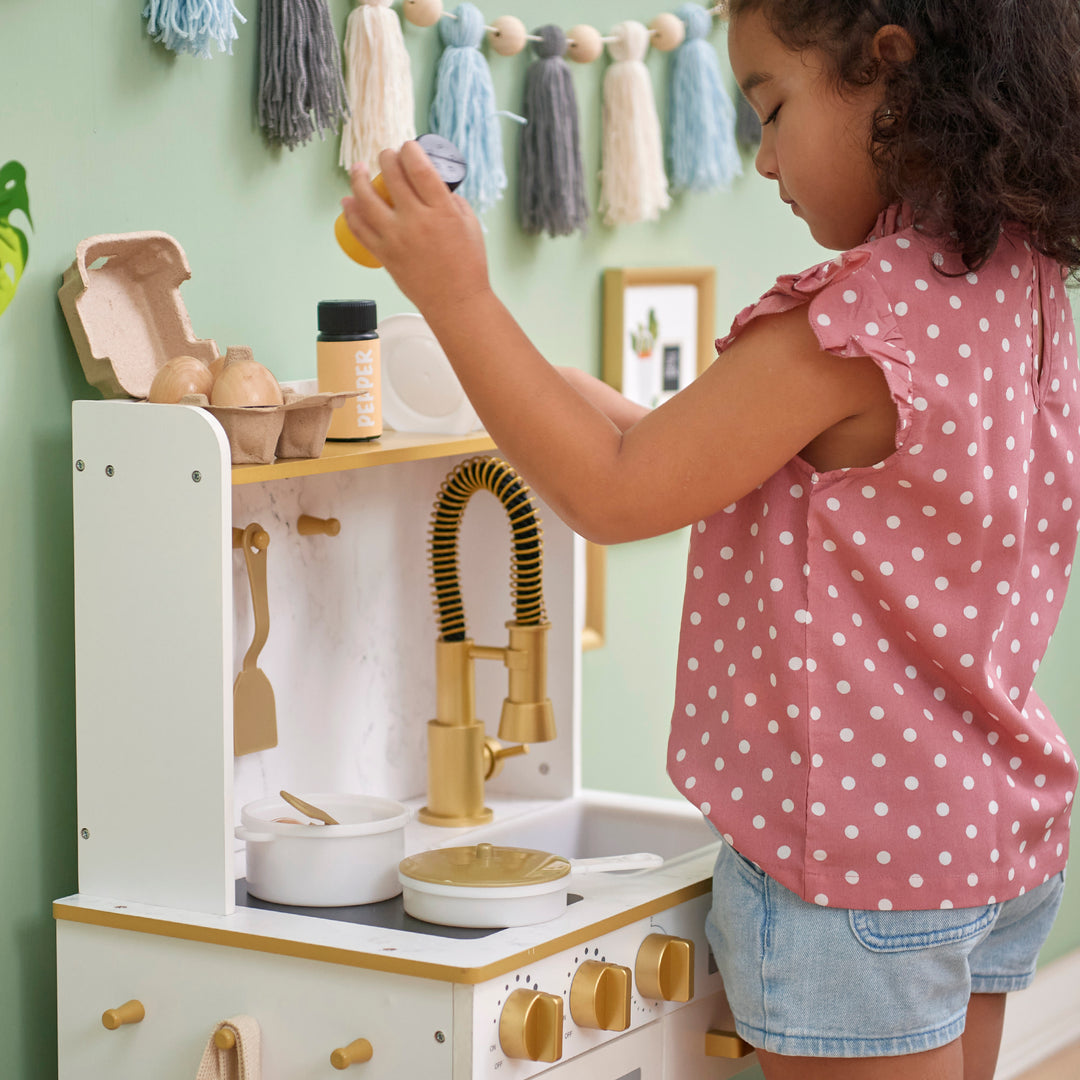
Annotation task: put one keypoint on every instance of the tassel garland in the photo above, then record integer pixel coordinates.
(300, 85)
(701, 146)
(464, 107)
(551, 178)
(634, 185)
(380, 87)
(191, 26)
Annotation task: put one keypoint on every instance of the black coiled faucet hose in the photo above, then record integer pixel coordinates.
(526, 569)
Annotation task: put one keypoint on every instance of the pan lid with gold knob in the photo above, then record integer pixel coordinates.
(485, 866)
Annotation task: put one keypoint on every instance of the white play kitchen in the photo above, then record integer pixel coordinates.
(248, 629)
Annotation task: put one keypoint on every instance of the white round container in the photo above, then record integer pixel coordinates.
(355, 862)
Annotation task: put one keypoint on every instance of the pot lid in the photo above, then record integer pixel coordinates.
(485, 865)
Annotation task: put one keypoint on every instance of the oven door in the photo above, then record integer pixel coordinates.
(637, 1055)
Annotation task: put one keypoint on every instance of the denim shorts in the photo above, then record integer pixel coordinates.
(814, 981)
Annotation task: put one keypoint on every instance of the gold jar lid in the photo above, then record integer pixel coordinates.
(486, 866)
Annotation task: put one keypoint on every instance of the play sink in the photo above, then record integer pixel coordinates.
(597, 823)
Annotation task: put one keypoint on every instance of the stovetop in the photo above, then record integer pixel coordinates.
(387, 914)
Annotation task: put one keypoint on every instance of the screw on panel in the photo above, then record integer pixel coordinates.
(196, 476)
(80, 464)
(109, 470)
(84, 833)
(440, 1037)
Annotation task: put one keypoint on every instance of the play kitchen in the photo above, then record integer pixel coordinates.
(295, 817)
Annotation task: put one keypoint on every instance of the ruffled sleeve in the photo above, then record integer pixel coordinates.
(851, 315)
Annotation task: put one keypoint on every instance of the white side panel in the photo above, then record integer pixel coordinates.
(153, 654)
(305, 1010)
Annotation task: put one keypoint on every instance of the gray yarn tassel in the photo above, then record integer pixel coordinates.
(551, 178)
(301, 89)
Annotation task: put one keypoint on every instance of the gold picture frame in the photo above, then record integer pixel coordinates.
(595, 629)
(654, 319)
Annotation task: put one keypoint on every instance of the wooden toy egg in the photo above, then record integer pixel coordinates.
(507, 35)
(668, 32)
(244, 382)
(584, 44)
(422, 12)
(178, 377)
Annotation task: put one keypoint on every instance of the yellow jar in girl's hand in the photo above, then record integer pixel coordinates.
(450, 165)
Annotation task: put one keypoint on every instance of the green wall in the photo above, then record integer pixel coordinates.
(118, 135)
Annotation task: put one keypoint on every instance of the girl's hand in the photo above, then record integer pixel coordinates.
(429, 240)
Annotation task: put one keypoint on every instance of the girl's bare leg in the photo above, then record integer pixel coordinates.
(971, 1057)
(982, 1035)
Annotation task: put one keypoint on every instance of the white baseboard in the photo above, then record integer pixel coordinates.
(1042, 1019)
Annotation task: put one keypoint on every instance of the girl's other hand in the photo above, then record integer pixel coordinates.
(429, 239)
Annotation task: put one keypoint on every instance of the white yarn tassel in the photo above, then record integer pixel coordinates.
(633, 184)
(379, 84)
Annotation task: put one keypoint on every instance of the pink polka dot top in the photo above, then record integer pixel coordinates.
(854, 705)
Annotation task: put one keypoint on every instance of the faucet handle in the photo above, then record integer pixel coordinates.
(495, 754)
(527, 715)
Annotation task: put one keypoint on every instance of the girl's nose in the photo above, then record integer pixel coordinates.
(765, 161)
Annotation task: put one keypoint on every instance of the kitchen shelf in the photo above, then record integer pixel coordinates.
(390, 448)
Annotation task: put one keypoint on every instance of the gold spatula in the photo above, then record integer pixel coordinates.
(306, 808)
(254, 715)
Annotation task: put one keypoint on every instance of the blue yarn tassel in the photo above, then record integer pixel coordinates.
(193, 25)
(701, 122)
(464, 107)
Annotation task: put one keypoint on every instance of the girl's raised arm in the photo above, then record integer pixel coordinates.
(766, 399)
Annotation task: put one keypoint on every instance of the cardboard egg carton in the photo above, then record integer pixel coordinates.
(121, 298)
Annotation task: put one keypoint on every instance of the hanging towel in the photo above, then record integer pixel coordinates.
(243, 1062)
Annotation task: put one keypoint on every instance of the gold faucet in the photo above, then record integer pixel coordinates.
(461, 756)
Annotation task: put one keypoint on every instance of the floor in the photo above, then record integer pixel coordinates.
(1064, 1065)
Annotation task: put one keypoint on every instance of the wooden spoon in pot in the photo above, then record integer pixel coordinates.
(307, 808)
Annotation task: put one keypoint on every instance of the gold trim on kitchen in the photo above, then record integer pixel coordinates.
(373, 961)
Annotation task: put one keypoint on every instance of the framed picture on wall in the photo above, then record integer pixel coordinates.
(658, 329)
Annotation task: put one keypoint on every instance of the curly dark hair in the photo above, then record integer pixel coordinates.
(981, 127)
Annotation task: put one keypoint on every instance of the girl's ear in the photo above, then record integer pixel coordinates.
(893, 45)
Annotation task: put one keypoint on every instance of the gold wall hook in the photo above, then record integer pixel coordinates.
(356, 1053)
(131, 1012)
(306, 525)
(260, 540)
(225, 1038)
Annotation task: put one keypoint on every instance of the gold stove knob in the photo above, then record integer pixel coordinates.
(664, 969)
(600, 996)
(531, 1026)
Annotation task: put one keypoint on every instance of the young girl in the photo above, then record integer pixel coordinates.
(879, 474)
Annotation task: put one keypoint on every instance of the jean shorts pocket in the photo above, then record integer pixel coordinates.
(745, 867)
(907, 931)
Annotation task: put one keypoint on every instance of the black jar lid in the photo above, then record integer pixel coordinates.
(446, 157)
(342, 318)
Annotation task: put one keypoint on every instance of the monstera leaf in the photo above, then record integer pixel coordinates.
(13, 246)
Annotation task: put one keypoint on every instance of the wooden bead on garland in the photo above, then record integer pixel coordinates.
(585, 44)
(507, 35)
(668, 32)
(422, 12)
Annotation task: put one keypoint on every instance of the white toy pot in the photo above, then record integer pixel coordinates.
(304, 865)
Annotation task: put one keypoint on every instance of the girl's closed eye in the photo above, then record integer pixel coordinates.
(771, 117)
